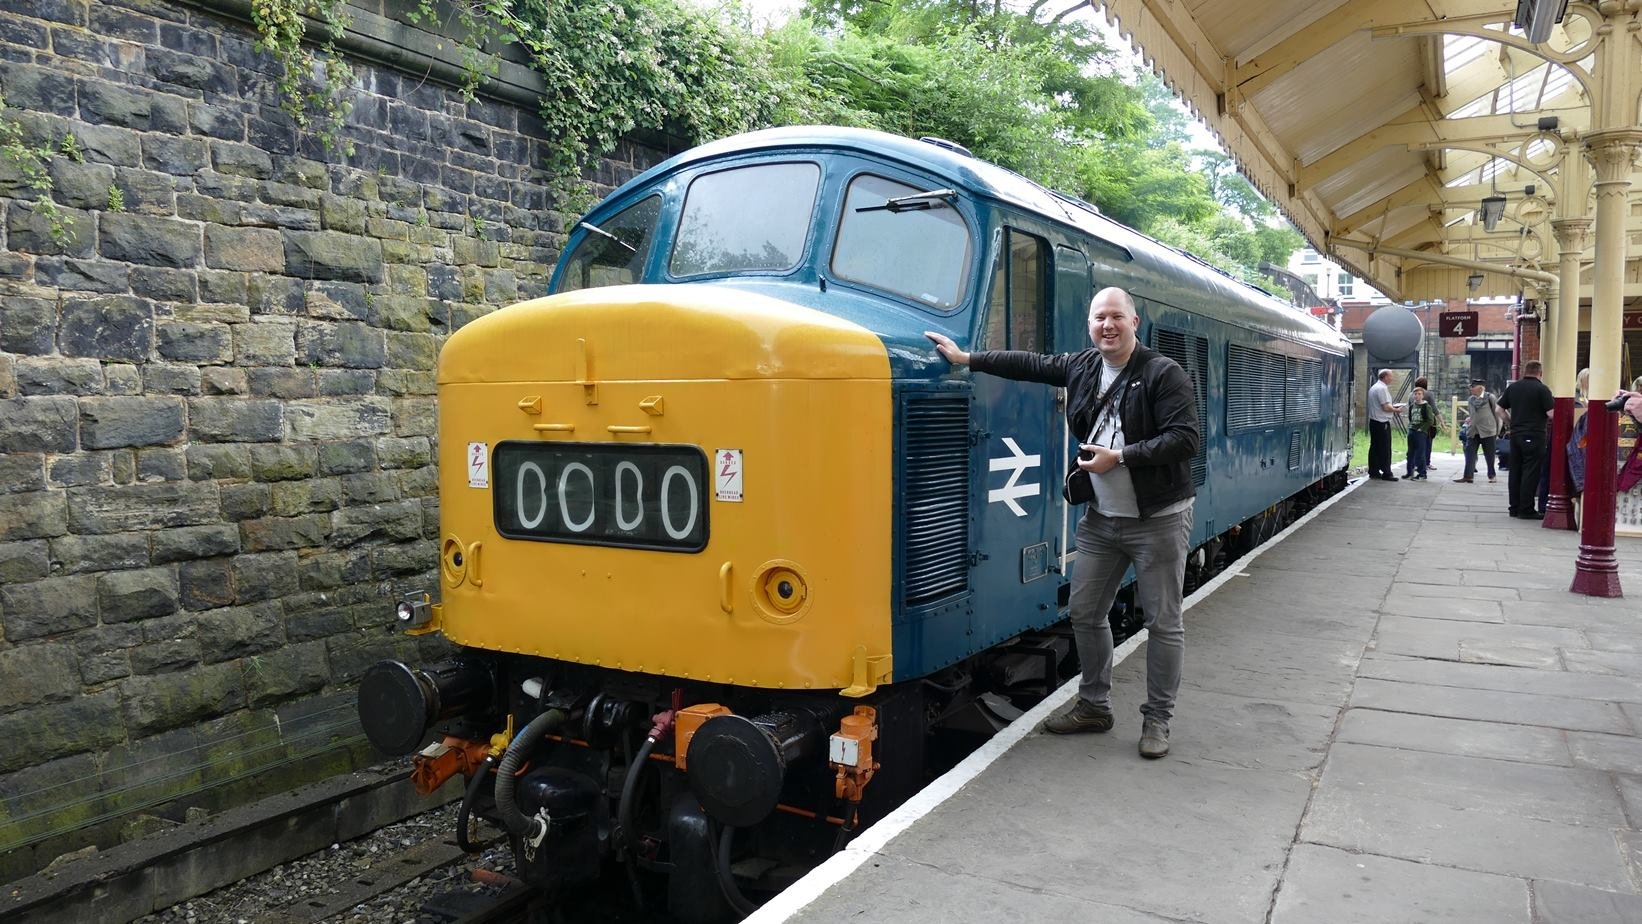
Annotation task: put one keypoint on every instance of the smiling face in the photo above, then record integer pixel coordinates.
(1113, 325)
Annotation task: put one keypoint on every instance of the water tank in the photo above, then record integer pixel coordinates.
(1392, 335)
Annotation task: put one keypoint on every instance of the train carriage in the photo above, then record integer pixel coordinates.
(727, 548)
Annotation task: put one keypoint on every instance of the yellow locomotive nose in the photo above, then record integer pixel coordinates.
(687, 481)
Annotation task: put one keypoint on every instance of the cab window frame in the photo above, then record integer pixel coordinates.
(682, 185)
(1002, 271)
(960, 206)
(657, 226)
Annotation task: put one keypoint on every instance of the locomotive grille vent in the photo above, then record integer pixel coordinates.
(935, 497)
(1305, 390)
(1254, 388)
(1294, 450)
(1192, 353)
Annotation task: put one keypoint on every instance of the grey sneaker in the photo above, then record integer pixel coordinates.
(1079, 717)
(1154, 739)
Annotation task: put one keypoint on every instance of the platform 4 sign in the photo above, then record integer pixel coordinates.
(1457, 323)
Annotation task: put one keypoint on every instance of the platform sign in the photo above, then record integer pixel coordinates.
(1457, 323)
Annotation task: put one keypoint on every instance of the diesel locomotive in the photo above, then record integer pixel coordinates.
(728, 551)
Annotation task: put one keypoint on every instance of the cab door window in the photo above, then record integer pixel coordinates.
(614, 253)
(1020, 286)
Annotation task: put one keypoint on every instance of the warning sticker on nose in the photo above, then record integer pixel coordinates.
(478, 465)
(727, 474)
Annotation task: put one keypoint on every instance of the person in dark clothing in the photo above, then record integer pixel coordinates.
(1529, 404)
(1135, 417)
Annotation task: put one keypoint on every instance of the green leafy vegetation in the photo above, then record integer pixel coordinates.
(32, 162)
(312, 86)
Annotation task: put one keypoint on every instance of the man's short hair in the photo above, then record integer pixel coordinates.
(1533, 367)
(1124, 299)
(1482, 382)
(1383, 373)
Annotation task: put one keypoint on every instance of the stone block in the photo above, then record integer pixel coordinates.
(346, 457)
(233, 420)
(345, 421)
(80, 185)
(286, 672)
(81, 468)
(107, 327)
(205, 583)
(142, 506)
(116, 551)
(253, 250)
(415, 417)
(39, 424)
(165, 285)
(110, 423)
(150, 193)
(100, 667)
(164, 656)
(412, 351)
(244, 501)
(162, 465)
(150, 240)
(329, 570)
(236, 631)
(370, 488)
(319, 624)
(265, 343)
(187, 543)
(57, 375)
(281, 382)
(80, 275)
(116, 23)
(342, 382)
(395, 561)
(103, 103)
(294, 498)
(84, 723)
(32, 674)
(29, 231)
(221, 381)
(49, 607)
(300, 172)
(28, 325)
(337, 301)
(216, 122)
(275, 295)
(420, 482)
(38, 88)
(280, 462)
(228, 462)
(123, 379)
(290, 195)
(176, 156)
(20, 471)
(171, 379)
(280, 533)
(24, 561)
(192, 71)
(400, 520)
(241, 160)
(130, 595)
(340, 213)
(403, 313)
(333, 255)
(162, 701)
(225, 288)
(344, 344)
(404, 452)
(265, 576)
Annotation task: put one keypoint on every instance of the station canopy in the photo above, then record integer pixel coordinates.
(1381, 127)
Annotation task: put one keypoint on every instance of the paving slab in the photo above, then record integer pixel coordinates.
(1319, 671)
(1469, 738)
(1401, 603)
(1339, 887)
(1604, 662)
(1438, 638)
(1491, 706)
(1619, 753)
(1431, 832)
(1563, 903)
(1601, 687)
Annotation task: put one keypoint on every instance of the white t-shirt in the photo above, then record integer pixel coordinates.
(1379, 396)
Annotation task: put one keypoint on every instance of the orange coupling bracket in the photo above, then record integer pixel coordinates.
(849, 751)
(685, 725)
(442, 760)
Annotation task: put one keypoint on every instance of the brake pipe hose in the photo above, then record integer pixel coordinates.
(518, 823)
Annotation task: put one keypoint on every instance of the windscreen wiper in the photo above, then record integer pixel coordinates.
(916, 202)
(606, 234)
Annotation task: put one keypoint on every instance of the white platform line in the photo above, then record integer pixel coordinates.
(807, 889)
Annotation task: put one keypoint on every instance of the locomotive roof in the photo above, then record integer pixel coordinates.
(1149, 257)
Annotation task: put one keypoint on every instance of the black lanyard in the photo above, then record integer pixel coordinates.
(1105, 399)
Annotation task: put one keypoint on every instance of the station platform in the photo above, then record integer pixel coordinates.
(1396, 713)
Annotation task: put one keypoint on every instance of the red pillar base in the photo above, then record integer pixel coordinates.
(1596, 571)
(1559, 513)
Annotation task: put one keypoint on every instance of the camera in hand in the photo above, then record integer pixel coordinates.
(1617, 403)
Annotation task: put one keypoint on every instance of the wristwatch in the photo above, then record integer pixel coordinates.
(1120, 459)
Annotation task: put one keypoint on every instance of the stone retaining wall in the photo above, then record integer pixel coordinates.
(217, 417)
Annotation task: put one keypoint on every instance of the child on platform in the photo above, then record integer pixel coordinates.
(1422, 426)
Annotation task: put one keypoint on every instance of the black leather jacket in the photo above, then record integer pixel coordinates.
(1160, 427)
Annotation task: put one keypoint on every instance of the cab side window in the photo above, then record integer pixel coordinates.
(1015, 308)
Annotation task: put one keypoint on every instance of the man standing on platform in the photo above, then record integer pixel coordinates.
(1482, 430)
(1529, 403)
(1380, 413)
(1135, 417)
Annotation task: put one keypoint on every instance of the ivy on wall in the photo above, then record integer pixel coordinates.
(32, 162)
(310, 84)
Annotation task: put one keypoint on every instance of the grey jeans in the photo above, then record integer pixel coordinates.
(1107, 546)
